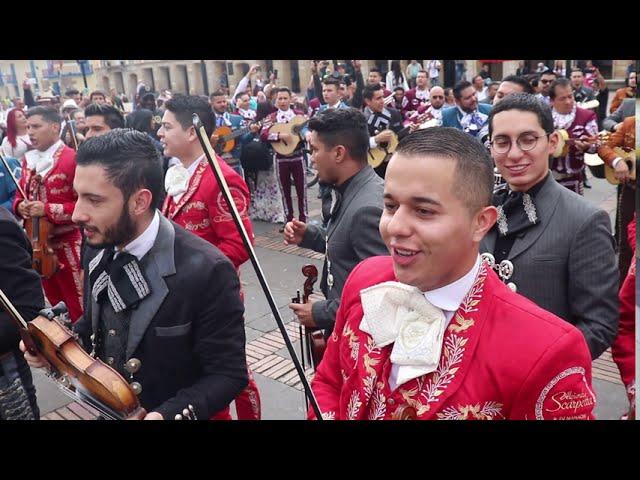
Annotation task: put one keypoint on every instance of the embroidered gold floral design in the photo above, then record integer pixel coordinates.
(198, 205)
(197, 226)
(488, 411)
(354, 405)
(353, 341)
(58, 191)
(330, 415)
(57, 176)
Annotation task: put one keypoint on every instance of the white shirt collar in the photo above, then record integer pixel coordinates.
(449, 297)
(141, 245)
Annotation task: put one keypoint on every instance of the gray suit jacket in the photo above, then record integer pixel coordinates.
(189, 332)
(353, 236)
(626, 109)
(567, 264)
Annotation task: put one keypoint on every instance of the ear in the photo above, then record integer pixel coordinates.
(191, 134)
(483, 221)
(340, 153)
(140, 202)
(554, 140)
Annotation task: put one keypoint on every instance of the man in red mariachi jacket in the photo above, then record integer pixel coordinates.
(47, 179)
(431, 331)
(623, 349)
(580, 124)
(419, 96)
(194, 201)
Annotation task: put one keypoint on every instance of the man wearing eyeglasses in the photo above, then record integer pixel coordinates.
(559, 245)
(546, 79)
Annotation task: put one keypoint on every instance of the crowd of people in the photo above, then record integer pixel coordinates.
(446, 210)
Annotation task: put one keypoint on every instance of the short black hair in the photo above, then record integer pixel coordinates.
(343, 126)
(561, 82)
(111, 115)
(282, 89)
(459, 87)
(548, 72)
(48, 114)
(473, 175)
(97, 92)
(184, 106)
(526, 86)
(375, 70)
(369, 90)
(332, 81)
(217, 93)
(524, 102)
(130, 159)
(71, 91)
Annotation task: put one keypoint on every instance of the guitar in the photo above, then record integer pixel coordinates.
(602, 170)
(382, 153)
(296, 124)
(226, 137)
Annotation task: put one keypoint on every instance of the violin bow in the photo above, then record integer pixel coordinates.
(213, 163)
(6, 165)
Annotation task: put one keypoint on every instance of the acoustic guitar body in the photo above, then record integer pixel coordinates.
(293, 127)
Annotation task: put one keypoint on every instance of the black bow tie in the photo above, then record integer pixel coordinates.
(121, 280)
(516, 211)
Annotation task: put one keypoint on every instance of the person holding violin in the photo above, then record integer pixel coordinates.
(339, 140)
(163, 306)
(195, 202)
(47, 179)
(582, 127)
(429, 331)
(22, 285)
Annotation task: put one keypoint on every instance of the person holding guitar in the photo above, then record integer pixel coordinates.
(290, 164)
(618, 153)
(226, 125)
(381, 121)
(581, 125)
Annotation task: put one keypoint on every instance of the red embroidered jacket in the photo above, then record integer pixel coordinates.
(503, 357)
(623, 349)
(202, 210)
(56, 191)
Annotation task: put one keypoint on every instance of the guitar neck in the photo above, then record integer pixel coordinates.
(236, 134)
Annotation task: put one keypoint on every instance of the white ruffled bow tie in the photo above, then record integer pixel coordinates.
(40, 161)
(400, 314)
(176, 180)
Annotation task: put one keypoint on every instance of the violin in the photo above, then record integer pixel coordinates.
(40, 230)
(80, 376)
(312, 339)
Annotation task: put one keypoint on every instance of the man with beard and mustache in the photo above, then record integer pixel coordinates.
(47, 179)
(163, 306)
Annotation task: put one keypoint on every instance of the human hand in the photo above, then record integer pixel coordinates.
(34, 361)
(303, 312)
(36, 209)
(621, 171)
(294, 232)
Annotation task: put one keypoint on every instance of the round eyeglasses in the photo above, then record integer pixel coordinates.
(525, 142)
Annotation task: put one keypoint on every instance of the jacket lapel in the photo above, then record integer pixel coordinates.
(194, 183)
(546, 202)
(161, 263)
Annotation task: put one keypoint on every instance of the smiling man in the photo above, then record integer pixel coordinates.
(560, 245)
(430, 331)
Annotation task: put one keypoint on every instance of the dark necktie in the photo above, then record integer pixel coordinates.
(121, 280)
